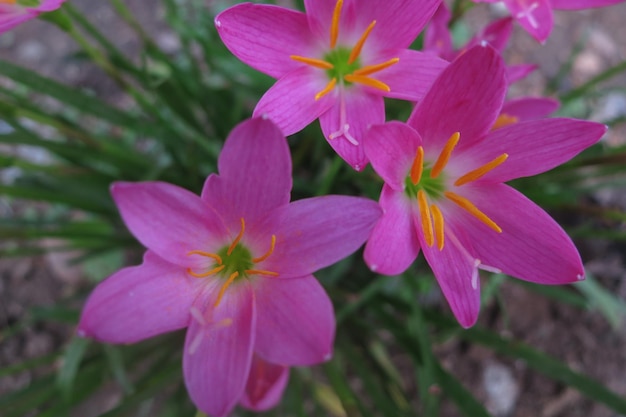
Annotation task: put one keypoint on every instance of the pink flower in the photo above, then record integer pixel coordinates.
(15, 12)
(335, 63)
(438, 40)
(523, 109)
(444, 190)
(535, 16)
(233, 266)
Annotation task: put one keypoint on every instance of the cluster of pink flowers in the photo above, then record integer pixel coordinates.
(234, 265)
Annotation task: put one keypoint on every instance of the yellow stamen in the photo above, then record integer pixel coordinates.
(504, 120)
(438, 221)
(229, 281)
(418, 166)
(480, 171)
(334, 27)
(371, 69)
(215, 256)
(314, 62)
(444, 156)
(7, 1)
(268, 253)
(370, 82)
(356, 51)
(427, 223)
(467, 205)
(207, 273)
(329, 87)
(232, 246)
(261, 272)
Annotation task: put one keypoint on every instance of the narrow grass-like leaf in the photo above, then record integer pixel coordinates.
(72, 358)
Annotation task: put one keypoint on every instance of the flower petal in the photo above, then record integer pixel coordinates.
(218, 349)
(316, 232)
(465, 98)
(532, 246)
(517, 72)
(497, 34)
(320, 16)
(139, 302)
(530, 108)
(255, 173)
(11, 19)
(398, 22)
(412, 76)
(582, 4)
(264, 36)
(168, 219)
(456, 272)
(296, 323)
(391, 148)
(265, 385)
(352, 114)
(291, 104)
(393, 244)
(533, 147)
(536, 17)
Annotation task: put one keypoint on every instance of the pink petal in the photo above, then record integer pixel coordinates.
(398, 22)
(291, 104)
(456, 272)
(393, 244)
(497, 34)
(9, 20)
(465, 98)
(218, 349)
(49, 5)
(391, 148)
(582, 4)
(139, 302)
(532, 246)
(354, 112)
(536, 17)
(265, 385)
(517, 72)
(437, 37)
(264, 36)
(530, 108)
(412, 76)
(317, 232)
(255, 173)
(320, 15)
(168, 219)
(296, 323)
(533, 147)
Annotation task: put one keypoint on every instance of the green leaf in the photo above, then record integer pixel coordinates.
(611, 306)
(72, 358)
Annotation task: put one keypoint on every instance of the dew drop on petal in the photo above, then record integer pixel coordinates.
(218, 24)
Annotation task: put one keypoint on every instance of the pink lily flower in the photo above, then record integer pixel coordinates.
(438, 40)
(444, 191)
(523, 109)
(536, 17)
(234, 266)
(15, 12)
(335, 63)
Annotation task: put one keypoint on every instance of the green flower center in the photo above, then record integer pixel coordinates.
(339, 58)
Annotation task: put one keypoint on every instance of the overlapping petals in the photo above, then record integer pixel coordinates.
(12, 15)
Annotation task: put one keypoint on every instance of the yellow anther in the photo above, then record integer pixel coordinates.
(504, 120)
(370, 82)
(356, 51)
(329, 87)
(207, 273)
(268, 253)
(334, 27)
(229, 281)
(7, 1)
(371, 69)
(427, 222)
(444, 156)
(233, 245)
(314, 62)
(214, 256)
(480, 171)
(261, 272)
(439, 225)
(418, 166)
(467, 205)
